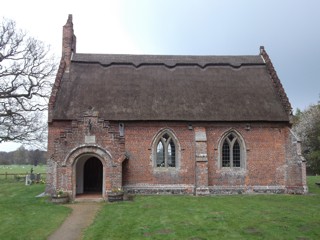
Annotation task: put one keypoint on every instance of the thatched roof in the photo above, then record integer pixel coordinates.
(178, 88)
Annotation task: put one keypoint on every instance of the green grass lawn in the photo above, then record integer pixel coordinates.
(214, 217)
(6, 171)
(22, 168)
(23, 216)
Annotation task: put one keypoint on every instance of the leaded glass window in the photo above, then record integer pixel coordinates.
(236, 154)
(231, 152)
(166, 151)
(160, 155)
(225, 154)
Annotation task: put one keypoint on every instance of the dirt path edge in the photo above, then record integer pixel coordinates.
(81, 217)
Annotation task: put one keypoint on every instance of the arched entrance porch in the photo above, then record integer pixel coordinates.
(101, 160)
(89, 175)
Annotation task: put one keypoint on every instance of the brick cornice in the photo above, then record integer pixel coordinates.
(55, 88)
(276, 82)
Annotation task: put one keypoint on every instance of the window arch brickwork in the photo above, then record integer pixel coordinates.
(232, 151)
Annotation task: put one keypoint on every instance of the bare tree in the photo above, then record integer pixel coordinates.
(26, 72)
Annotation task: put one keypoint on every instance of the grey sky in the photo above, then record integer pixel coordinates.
(289, 30)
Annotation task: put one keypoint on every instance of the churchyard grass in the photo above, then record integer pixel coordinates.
(214, 217)
(23, 216)
(18, 172)
(22, 168)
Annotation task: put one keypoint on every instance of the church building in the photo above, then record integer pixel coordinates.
(158, 124)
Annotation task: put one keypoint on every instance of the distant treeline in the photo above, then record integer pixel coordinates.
(23, 156)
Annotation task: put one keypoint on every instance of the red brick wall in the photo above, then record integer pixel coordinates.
(264, 147)
(265, 155)
(139, 168)
(271, 158)
(54, 130)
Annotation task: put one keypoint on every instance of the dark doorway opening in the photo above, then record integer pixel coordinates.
(92, 175)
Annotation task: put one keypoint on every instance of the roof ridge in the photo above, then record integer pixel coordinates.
(202, 66)
(169, 61)
(164, 55)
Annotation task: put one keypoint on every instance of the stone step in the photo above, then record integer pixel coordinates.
(88, 199)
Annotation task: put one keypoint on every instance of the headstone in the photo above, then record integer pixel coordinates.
(28, 180)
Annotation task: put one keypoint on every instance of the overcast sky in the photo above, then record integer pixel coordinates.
(289, 30)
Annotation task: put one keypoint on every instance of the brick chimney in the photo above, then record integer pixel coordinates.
(68, 48)
(68, 42)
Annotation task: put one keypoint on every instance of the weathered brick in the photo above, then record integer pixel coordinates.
(272, 162)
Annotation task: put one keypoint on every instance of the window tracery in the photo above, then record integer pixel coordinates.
(232, 155)
(165, 151)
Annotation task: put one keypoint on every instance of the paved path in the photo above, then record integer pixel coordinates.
(81, 217)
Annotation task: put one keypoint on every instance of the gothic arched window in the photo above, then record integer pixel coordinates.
(232, 151)
(165, 151)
